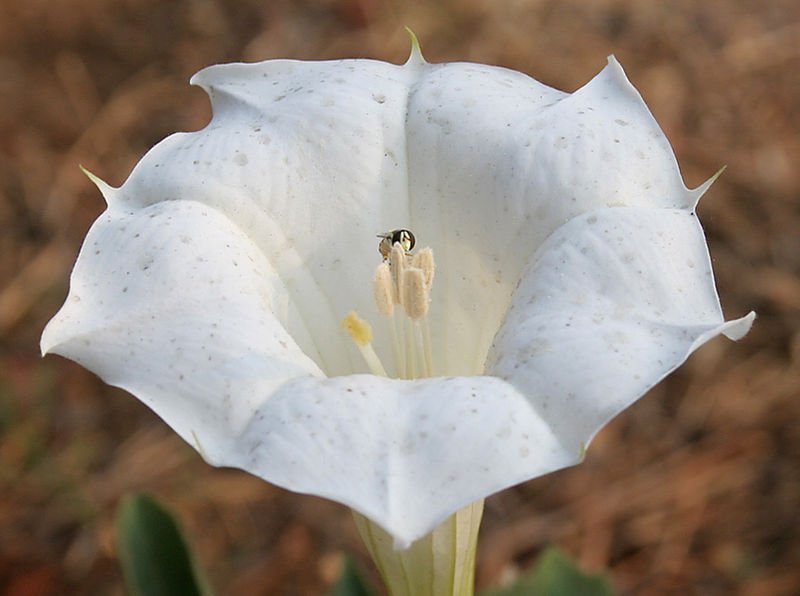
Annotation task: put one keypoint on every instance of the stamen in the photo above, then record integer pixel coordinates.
(397, 263)
(361, 333)
(415, 293)
(405, 278)
(384, 289)
(411, 353)
(424, 260)
(397, 349)
(416, 303)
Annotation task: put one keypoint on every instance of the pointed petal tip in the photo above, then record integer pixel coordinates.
(104, 187)
(697, 193)
(614, 64)
(738, 328)
(415, 58)
(53, 334)
(47, 342)
(198, 78)
(615, 73)
(206, 77)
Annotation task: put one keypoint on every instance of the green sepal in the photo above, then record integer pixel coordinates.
(155, 558)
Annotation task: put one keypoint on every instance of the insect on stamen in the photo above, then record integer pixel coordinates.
(405, 238)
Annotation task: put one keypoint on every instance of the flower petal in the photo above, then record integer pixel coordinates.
(213, 285)
(308, 160)
(611, 303)
(406, 454)
(174, 304)
(312, 159)
(498, 162)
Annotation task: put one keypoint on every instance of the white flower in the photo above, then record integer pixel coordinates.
(572, 275)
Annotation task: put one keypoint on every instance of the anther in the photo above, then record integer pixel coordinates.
(424, 260)
(415, 293)
(397, 264)
(384, 289)
(403, 278)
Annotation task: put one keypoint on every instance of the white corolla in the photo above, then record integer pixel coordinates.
(571, 275)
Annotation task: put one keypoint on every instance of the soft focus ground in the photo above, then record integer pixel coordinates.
(695, 490)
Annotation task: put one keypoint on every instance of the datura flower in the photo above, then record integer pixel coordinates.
(519, 264)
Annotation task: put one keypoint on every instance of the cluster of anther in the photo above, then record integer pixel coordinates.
(402, 282)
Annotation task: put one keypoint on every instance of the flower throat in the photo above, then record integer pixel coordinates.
(402, 287)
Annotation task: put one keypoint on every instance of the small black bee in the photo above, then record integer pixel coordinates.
(388, 239)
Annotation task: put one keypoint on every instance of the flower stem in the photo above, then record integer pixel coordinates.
(439, 564)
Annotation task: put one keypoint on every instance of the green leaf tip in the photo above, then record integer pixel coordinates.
(350, 582)
(556, 574)
(416, 56)
(155, 558)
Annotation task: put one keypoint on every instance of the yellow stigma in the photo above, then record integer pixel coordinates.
(358, 328)
(361, 333)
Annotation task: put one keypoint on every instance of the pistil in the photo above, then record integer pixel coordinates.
(361, 332)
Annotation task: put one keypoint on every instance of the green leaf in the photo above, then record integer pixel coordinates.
(155, 558)
(350, 582)
(556, 575)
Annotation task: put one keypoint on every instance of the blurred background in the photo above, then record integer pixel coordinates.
(694, 490)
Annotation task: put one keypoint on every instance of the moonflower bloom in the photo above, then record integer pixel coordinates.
(571, 275)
